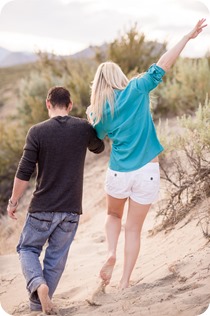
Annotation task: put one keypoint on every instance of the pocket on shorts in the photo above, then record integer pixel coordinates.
(114, 181)
(70, 223)
(151, 185)
(40, 221)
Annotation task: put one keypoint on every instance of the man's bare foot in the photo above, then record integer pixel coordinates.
(107, 269)
(47, 306)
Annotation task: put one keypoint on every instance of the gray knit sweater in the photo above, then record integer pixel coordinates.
(58, 148)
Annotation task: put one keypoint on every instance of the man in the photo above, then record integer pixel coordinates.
(58, 147)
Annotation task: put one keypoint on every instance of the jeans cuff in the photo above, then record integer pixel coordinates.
(35, 283)
(35, 304)
(35, 307)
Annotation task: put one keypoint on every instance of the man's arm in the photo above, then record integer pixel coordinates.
(96, 145)
(19, 187)
(24, 172)
(169, 58)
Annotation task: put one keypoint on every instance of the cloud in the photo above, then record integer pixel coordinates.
(2, 4)
(81, 23)
(53, 18)
(93, 20)
(198, 6)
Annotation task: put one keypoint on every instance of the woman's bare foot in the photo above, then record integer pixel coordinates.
(123, 285)
(107, 269)
(47, 306)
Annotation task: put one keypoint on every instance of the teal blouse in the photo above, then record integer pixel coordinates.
(131, 129)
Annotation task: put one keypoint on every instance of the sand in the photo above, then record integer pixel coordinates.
(171, 277)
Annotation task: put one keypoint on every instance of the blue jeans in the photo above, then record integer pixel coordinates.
(58, 229)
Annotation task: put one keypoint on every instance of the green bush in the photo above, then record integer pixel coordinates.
(132, 52)
(75, 75)
(11, 141)
(185, 166)
(184, 87)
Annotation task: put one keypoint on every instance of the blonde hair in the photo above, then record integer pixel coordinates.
(108, 77)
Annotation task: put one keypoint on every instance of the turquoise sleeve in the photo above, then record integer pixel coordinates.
(151, 78)
(100, 131)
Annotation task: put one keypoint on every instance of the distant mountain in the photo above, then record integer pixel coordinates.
(3, 53)
(90, 52)
(8, 58)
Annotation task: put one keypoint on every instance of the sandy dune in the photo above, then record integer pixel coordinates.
(171, 278)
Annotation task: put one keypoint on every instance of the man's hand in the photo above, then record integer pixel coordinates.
(19, 187)
(11, 209)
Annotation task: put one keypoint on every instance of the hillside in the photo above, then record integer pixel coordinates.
(11, 75)
(9, 59)
(3, 53)
(171, 275)
(10, 78)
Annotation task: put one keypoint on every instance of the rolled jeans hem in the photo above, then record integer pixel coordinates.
(35, 304)
(35, 307)
(35, 284)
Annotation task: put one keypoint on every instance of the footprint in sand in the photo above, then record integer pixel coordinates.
(97, 295)
(98, 237)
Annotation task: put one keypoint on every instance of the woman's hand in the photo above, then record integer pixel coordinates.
(169, 58)
(197, 29)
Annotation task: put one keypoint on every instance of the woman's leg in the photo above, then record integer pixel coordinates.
(112, 229)
(134, 222)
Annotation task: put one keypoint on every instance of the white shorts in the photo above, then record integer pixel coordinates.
(141, 185)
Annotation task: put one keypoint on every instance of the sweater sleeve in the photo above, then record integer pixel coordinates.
(29, 158)
(95, 145)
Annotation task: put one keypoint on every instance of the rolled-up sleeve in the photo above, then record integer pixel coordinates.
(29, 158)
(151, 78)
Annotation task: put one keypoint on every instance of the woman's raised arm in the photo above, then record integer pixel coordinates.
(169, 57)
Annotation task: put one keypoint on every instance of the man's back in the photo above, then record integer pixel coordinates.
(58, 146)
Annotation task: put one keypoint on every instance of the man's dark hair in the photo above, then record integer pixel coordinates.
(59, 97)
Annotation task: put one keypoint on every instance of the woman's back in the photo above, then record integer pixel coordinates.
(131, 128)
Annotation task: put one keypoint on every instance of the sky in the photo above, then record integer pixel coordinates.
(67, 26)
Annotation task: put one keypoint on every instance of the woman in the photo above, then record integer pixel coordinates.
(120, 109)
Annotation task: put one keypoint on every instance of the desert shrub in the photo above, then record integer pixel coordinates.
(1, 103)
(77, 78)
(133, 52)
(10, 152)
(11, 75)
(185, 86)
(75, 75)
(32, 96)
(185, 167)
